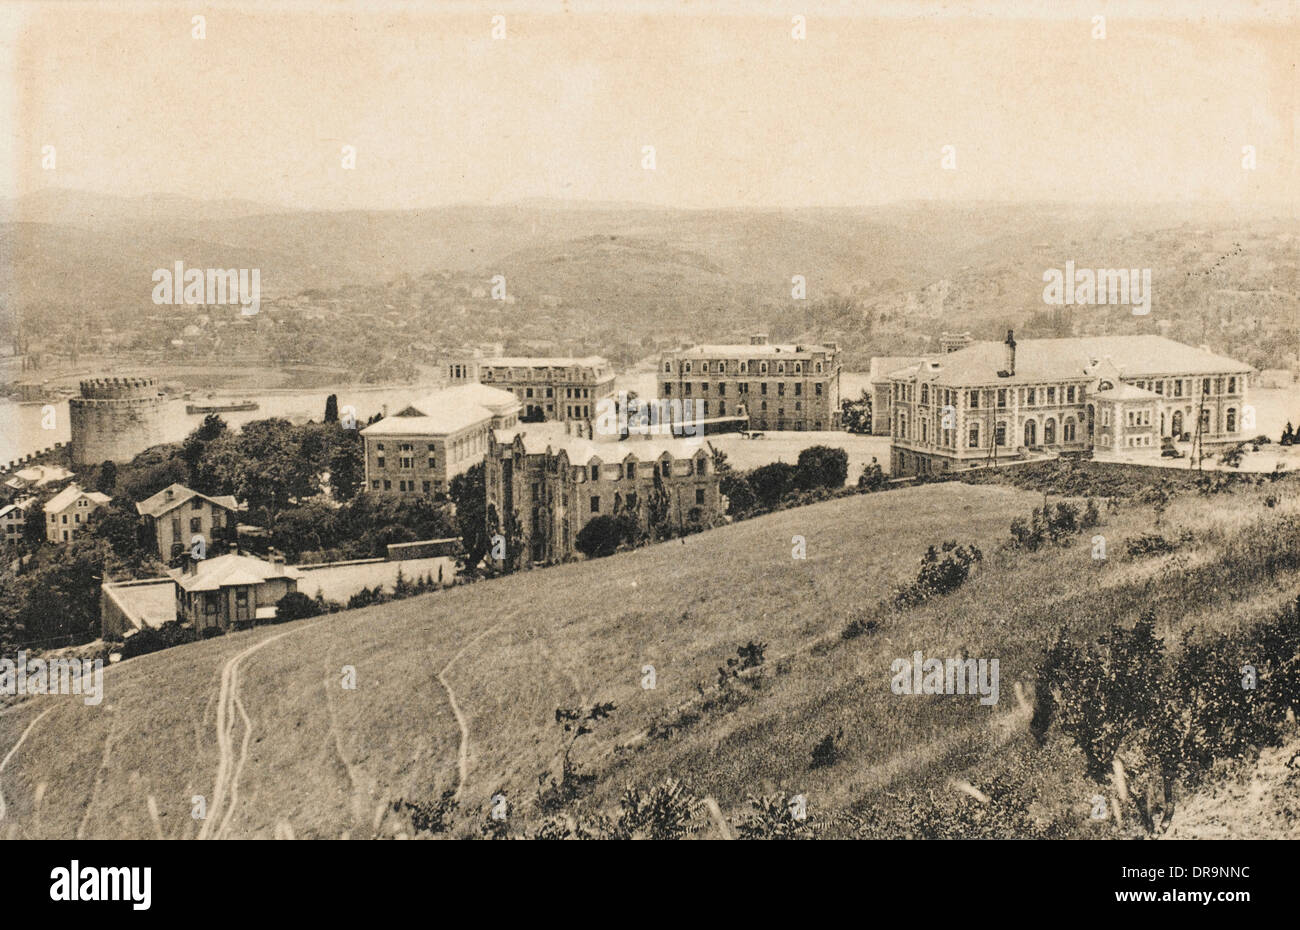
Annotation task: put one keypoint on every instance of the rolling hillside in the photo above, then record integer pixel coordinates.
(457, 691)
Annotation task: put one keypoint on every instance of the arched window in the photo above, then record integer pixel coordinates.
(1031, 433)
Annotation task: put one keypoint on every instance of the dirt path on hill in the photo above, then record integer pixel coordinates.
(462, 756)
(4, 762)
(229, 768)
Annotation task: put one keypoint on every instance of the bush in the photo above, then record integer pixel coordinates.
(600, 537)
(939, 576)
(295, 606)
(821, 467)
(150, 639)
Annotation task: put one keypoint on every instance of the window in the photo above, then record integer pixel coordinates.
(595, 504)
(388, 485)
(798, 388)
(176, 528)
(631, 470)
(974, 439)
(818, 387)
(1232, 385)
(762, 389)
(668, 388)
(595, 474)
(699, 495)
(925, 393)
(196, 525)
(1032, 397)
(374, 485)
(406, 456)
(974, 400)
(426, 487)
(722, 390)
(1230, 424)
(1000, 434)
(1069, 395)
(196, 504)
(1051, 395)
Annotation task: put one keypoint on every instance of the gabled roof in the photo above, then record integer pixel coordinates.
(537, 438)
(1039, 360)
(65, 498)
(160, 503)
(19, 505)
(447, 411)
(229, 570)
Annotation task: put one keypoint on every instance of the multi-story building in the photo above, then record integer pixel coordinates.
(554, 480)
(13, 517)
(231, 589)
(177, 514)
(69, 510)
(781, 387)
(996, 401)
(552, 388)
(419, 449)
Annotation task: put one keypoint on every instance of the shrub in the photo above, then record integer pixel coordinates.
(151, 639)
(295, 606)
(600, 537)
(939, 576)
(775, 818)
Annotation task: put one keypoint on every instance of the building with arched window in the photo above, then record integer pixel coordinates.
(998, 401)
(554, 478)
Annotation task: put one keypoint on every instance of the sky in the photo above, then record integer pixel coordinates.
(739, 112)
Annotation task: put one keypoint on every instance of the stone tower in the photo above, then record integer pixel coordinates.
(114, 419)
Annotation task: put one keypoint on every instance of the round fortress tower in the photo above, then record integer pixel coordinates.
(114, 419)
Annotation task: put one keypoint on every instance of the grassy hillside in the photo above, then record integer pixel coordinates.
(499, 657)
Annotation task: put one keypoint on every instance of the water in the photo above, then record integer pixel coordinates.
(23, 432)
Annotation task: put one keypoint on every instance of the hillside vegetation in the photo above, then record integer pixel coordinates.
(457, 692)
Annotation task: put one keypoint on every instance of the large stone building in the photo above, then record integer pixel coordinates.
(176, 515)
(995, 401)
(552, 388)
(419, 449)
(114, 419)
(555, 479)
(782, 387)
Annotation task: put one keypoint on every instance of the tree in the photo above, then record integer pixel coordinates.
(855, 415)
(332, 409)
(106, 481)
(772, 482)
(468, 493)
(600, 537)
(658, 509)
(821, 467)
(347, 465)
(872, 478)
(295, 606)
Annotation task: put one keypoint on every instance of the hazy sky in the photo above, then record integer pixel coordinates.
(738, 111)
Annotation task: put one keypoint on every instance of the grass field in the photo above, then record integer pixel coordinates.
(498, 657)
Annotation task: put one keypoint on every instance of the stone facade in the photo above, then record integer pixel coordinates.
(782, 387)
(999, 401)
(114, 419)
(556, 483)
(552, 388)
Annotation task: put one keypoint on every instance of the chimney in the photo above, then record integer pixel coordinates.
(1008, 356)
(170, 493)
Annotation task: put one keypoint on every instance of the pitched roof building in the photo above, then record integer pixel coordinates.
(231, 589)
(1001, 400)
(70, 510)
(179, 516)
(419, 449)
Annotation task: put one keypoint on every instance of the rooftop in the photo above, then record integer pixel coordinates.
(224, 571)
(447, 411)
(744, 349)
(538, 437)
(170, 498)
(1038, 360)
(544, 361)
(65, 498)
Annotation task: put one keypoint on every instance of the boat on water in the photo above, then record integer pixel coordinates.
(221, 408)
